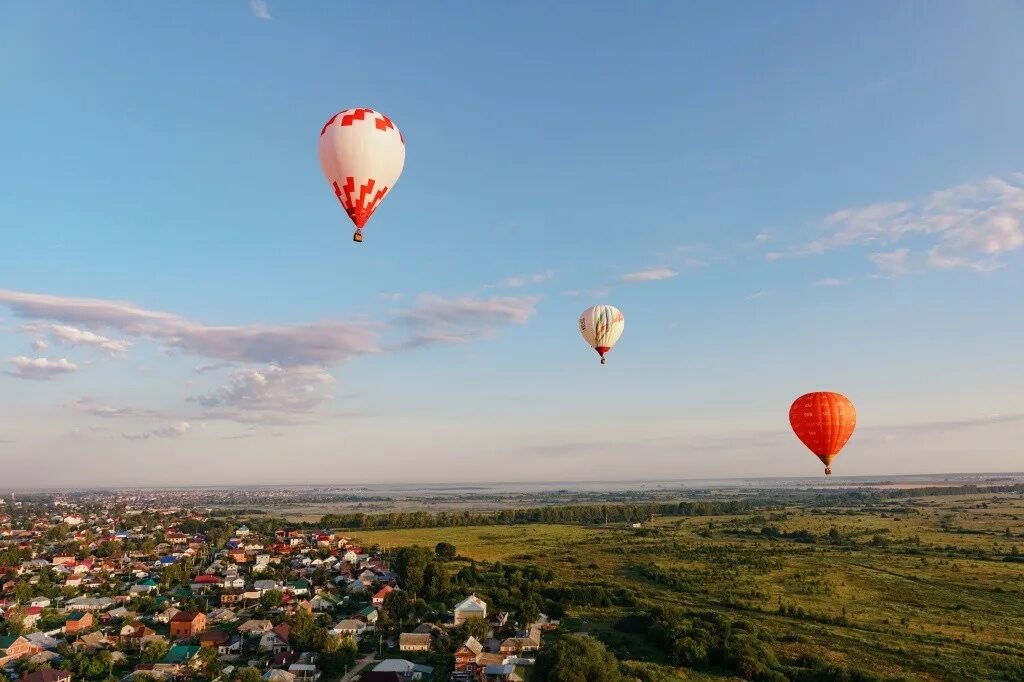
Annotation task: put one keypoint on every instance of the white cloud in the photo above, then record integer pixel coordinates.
(212, 367)
(71, 336)
(40, 369)
(892, 263)
(757, 294)
(391, 296)
(970, 225)
(39, 345)
(260, 9)
(522, 280)
(274, 389)
(171, 431)
(91, 406)
(440, 320)
(652, 275)
(830, 282)
(327, 342)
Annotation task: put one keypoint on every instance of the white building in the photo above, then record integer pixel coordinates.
(469, 607)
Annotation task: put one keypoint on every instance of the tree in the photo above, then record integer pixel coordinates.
(475, 626)
(396, 607)
(22, 592)
(409, 564)
(248, 675)
(16, 621)
(271, 599)
(577, 659)
(303, 630)
(445, 551)
(438, 584)
(336, 662)
(208, 657)
(155, 650)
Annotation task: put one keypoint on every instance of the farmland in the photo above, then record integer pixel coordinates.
(921, 588)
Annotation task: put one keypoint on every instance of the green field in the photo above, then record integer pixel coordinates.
(916, 589)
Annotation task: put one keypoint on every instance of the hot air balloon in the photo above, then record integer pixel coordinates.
(823, 421)
(362, 153)
(601, 327)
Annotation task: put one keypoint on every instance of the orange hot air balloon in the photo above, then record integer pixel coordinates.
(823, 421)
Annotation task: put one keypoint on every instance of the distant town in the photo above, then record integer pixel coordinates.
(113, 586)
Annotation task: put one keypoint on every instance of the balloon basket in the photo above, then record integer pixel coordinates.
(358, 237)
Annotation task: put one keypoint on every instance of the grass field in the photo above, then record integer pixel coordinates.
(915, 589)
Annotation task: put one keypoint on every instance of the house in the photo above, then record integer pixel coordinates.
(221, 616)
(79, 621)
(368, 615)
(231, 582)
(304, 671)
(274, 675)
(470, 607)
(214, 638)
(255, 627)
(414, 641)
(350, 628)
(522, 642)
(501, 672)
(298, 587)
(42, 641)
(187, 624)
(367, 577)
(133, 634)
(407, 669)
(277, 639)
(166, 616)
(13, 647)
(41, 602)
(178, 657)
(467, 655)
(47, 675)
(145, 587)
(378, 598)
(205, 582)
(91, 641)
(262, 586)
(322, 603)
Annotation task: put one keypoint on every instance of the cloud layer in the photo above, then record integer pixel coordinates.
(652, 275)
(172, 431)
(971, 225)
(279, 371)
(40, 369)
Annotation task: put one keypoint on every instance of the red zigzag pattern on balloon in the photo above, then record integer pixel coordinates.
(357, 207)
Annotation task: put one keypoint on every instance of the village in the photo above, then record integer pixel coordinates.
(112, 591)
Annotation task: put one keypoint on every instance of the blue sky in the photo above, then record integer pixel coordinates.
(780, 197)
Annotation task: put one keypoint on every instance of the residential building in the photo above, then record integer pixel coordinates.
(187, 624)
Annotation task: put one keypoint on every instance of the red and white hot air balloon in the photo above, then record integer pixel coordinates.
(362, 153)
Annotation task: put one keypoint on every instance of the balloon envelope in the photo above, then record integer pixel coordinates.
(824, 422)
(362, 153)
(601, 327)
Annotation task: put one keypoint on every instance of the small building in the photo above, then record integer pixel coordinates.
(414, 641)
(382, 593)
(13, 647)
(467, 655)
(470, 607)
(79, 621)
(187, 624)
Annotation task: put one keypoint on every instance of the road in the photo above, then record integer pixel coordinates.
(360, 664)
